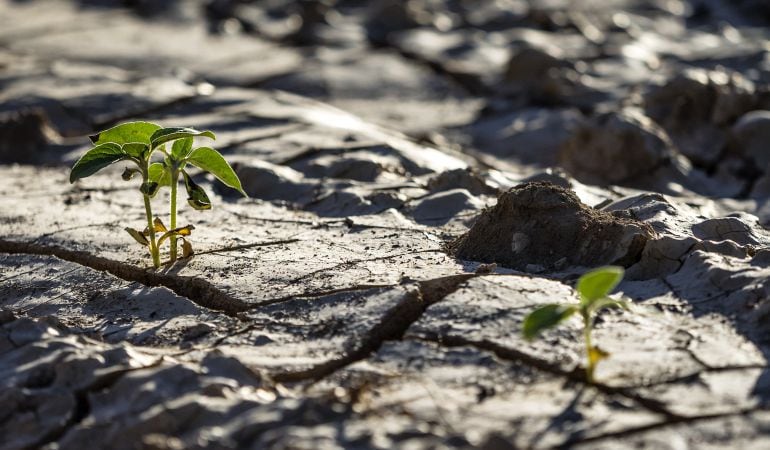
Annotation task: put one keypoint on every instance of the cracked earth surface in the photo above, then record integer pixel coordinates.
(421, 175)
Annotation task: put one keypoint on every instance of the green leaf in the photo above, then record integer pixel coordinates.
(164, 135)
(136, 150)
(138, 237)
(213, 162)
(197, 197)
(598, 283)
(545, 317)
(181, 148)
(126, 132)
(95, 160)
(159, 173)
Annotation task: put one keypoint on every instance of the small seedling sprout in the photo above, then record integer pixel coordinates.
(136, 142)
(593, 288)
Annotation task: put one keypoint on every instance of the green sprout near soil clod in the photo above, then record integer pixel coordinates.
(136, 142)
(594, 288)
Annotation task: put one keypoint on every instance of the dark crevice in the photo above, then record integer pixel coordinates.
(198, 290)
(392, 327)
(437, 289)
(83, 406)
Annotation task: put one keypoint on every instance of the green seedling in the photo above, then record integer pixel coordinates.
(137, 142)
(593, 288)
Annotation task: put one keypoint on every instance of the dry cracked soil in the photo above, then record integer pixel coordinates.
(421, 175)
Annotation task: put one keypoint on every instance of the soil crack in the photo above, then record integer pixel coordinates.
(83, 406)
(197, 290)
(577, 375)
(657, 425)
(392, 327)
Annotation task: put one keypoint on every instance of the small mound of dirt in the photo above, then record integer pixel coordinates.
(541, 75)
(540, 226)
(696, 107)
(468, 179)
(616, 148)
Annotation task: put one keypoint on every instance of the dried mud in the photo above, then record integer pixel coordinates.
(541, 227)
(421, 175)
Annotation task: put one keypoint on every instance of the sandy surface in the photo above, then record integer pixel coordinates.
(421, 175)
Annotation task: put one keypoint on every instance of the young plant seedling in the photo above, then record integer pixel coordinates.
(594, 288)
(136, 142)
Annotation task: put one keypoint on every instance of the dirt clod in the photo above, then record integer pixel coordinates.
(540, 224)
(616, 148)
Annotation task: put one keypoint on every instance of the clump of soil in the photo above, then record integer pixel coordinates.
(616, 148)
(539, 226)
(542, 76)
(697, 106)
(468, 179)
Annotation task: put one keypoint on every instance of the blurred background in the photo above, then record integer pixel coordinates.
(663, 95)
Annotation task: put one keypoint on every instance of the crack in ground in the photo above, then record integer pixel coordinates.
(317, 294)
(83, 406)
(197, 290)
(391, 327)
(577, 375)
(570, 443)
(693, 377)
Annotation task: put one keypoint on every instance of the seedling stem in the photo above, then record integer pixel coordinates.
(154, 251)
(172, 239)
(594, 289)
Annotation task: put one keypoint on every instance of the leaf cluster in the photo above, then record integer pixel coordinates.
(593, 288)
(137, 143)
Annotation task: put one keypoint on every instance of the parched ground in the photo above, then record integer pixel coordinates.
(421, 175)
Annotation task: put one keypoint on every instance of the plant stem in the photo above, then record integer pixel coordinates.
(172, 239)
(589, 348)
(153, 245)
